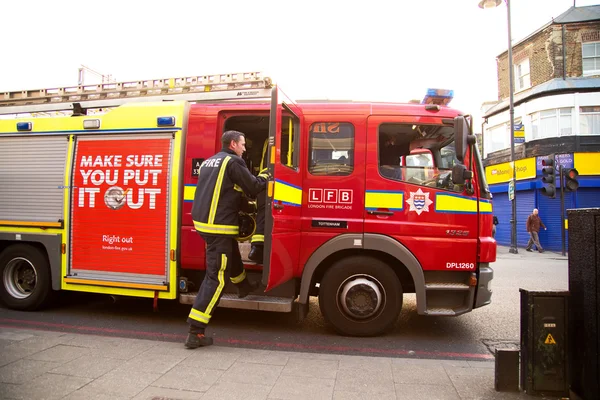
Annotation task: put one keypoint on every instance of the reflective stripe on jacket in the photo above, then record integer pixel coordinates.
(221, 180)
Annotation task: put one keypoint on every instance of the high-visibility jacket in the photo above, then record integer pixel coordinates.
(222, 179)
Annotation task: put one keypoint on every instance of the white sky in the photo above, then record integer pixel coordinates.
(373, 50)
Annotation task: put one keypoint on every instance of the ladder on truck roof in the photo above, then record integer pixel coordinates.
(220, 87)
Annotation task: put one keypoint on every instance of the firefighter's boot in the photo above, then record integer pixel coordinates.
(196, 338)
(245, 287)
(256, 253)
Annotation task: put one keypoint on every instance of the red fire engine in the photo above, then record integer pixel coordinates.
(368, 201)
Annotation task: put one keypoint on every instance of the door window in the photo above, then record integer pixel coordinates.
(418, 154)
(331, 149)
(290, 145)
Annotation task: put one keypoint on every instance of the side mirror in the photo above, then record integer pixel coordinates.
(460, 174)
(462, 137)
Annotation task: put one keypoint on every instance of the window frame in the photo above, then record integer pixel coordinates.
(583, 113)
(295, 141)
(596, 59)
(519, 77)
(351, 152)
(557, 114)
(431, 172)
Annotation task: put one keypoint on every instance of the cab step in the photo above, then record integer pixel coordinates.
(446, 286)
(441, 311)
(250, 302)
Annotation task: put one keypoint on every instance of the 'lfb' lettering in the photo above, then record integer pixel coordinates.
(330, 196)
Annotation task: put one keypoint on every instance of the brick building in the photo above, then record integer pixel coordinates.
(557, 114)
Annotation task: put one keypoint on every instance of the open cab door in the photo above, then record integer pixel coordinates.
(284, 192)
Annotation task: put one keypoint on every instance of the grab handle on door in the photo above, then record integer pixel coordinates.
(376, 212)
(278, 206)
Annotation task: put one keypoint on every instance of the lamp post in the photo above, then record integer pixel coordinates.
(513, 233)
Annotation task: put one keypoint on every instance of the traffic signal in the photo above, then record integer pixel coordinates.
(571, 183)
(548, 178)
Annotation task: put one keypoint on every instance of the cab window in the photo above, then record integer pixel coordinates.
(418, 154)
(331, 149)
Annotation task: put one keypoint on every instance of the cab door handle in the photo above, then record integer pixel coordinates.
(376, 212)
(278, 206)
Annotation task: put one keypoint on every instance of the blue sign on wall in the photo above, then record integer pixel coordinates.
(566, 160)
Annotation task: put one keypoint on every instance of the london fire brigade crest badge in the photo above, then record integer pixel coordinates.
(419, 202)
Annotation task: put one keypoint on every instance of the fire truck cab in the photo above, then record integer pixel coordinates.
(368, 201)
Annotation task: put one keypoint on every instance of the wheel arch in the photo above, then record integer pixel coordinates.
(48, 244)
(407, 267)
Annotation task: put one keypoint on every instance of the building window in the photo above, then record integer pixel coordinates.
(552, 123)
(589, 120)
(565, 123)
(591, 58)
(497, 138)
(331, 149)
(522, 79)
(535, 126)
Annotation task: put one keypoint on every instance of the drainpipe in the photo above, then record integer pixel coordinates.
(485, 121)
(564, 51)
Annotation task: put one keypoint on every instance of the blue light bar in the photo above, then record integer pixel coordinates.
(24, 126)
(438, 96)
(165, 121)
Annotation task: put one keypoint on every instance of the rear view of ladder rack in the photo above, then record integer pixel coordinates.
(220, 87)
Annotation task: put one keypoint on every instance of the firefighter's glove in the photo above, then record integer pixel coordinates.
(265, 176)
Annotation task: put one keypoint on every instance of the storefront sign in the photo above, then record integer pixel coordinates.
(587, 163)
(565, 160)
(501, 173)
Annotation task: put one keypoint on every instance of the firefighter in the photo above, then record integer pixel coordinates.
(221, 181)
(258, 239)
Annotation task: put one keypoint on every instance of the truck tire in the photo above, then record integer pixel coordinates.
(25, 273)
(360, 296)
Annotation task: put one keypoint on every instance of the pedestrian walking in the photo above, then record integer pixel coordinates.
(533, 227)
(222, 180)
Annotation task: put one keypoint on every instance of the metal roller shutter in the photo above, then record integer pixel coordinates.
(588, 198)
(550, 216)
(525, 204)
(32, 176)
(503, 210)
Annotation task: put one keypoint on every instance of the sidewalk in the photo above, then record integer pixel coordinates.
(504, 253)
(37, 364)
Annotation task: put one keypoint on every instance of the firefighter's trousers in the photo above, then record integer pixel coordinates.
(223, 262)
(259, 235)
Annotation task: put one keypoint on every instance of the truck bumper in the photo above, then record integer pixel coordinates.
(484, 286)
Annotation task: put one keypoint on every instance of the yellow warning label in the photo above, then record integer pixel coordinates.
(550, 340)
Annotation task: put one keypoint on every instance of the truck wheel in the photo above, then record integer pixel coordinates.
(360, 296)
(25, 277)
